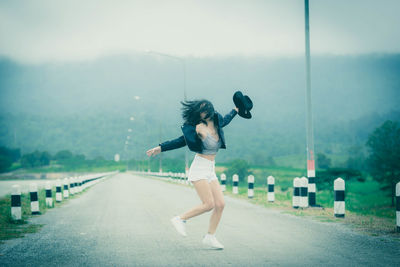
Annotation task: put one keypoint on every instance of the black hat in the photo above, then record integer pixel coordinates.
(243, 103)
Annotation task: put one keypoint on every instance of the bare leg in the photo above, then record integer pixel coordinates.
(219, 206)
(204, 191)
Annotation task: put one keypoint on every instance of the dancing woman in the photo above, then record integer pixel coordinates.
(203, 134)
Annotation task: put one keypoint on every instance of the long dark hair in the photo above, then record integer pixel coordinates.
(191, 111)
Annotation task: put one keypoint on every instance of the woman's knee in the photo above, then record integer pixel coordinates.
(209, 205)
(219, 205)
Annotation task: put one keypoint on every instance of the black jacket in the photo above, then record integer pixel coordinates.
(192, 140)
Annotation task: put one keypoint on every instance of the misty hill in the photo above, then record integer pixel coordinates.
(86, 106)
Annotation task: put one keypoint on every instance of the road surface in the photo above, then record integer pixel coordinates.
(125, 221)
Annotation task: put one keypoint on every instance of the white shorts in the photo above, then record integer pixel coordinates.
(202, 168)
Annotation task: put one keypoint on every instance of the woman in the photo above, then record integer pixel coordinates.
(203, 134)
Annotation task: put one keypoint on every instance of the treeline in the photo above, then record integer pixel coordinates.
(105, 135)
(8, 157)
(65, 160)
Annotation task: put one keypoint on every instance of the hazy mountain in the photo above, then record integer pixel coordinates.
(86, 106)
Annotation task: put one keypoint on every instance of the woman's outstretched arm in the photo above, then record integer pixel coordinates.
(228, 117)
(168, 145)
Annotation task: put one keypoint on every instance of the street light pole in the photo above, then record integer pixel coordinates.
(160, 156)
(309, 119)
(183, 61)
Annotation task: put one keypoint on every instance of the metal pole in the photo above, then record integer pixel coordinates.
(183, 61)
(160, 156)
(309, 119)
(185, 98)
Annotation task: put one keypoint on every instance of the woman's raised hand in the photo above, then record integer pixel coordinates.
(154, 151)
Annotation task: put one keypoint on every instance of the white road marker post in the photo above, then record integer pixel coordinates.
(34, 199)
(398, 207)
(296, 192)
(303, 192)
(66, 192)
(16, 202)
(271, 189)
(49, 195)
(223, 182)
(250, 191)
(339, 204)
(235, 180)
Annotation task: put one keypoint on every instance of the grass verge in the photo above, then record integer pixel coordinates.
(368, 210)
(10, 229)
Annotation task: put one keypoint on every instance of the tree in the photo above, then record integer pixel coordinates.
(239, 167)
(323, 161)
(35, 159)
(384, 158)
(63, 155)
(7, 157)
(44, 158)
(326, 177)
(356, 160)
(5, 163)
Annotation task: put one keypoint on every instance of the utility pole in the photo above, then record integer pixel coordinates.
(160, 155)
(185, 98)
(183, 61)
(309, 119)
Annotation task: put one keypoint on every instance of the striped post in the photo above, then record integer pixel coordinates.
(339, 204)
(66, 192)
(296, 193)
(71, 185)
(16, 203)
(58, 191)
(75, 182)
(271, 192)
(398, 207)
(34, 198)
(250, 191)
(49, 196)
(186, 179)
(77, 185)
(303, 192)
(235, 180)
(223, 182)
(312, 191)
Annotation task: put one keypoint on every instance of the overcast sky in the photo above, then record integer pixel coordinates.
(46, 31)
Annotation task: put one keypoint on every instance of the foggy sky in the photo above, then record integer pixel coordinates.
(47, 31)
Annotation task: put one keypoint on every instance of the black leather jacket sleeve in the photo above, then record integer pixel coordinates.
(173, 144)
(228, 117)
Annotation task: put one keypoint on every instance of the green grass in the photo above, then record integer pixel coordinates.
(361, 198)
(13, 229)
(367, 207)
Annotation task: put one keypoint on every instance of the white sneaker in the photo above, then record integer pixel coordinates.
(180, 225)
(211, 241)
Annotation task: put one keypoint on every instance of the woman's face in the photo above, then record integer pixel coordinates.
(205, 116)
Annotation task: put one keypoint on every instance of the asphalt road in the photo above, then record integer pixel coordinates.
(125, 221)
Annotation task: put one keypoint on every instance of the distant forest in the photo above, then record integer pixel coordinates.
(86, 107)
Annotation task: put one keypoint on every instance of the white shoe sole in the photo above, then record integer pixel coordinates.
(211, 246)
(174, 223)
